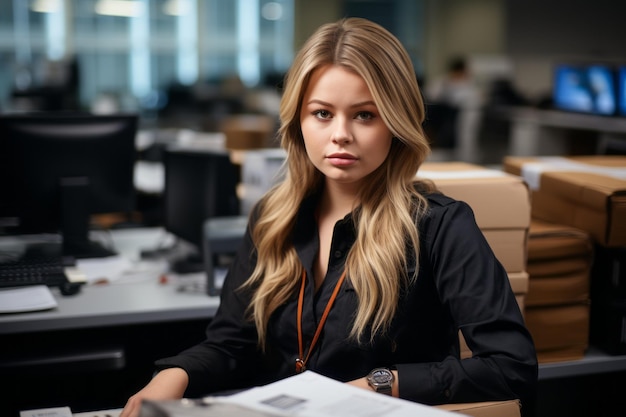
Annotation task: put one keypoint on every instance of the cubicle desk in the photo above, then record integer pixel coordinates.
(98, 347)
(545, 132)
(124, 304)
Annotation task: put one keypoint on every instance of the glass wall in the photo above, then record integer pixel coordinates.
(133, 51)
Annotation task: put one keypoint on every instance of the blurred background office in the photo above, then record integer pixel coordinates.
(190, 63)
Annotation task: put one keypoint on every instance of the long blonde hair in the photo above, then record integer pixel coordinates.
(390, 202)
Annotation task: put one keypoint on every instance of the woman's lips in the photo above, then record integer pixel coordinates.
(341, 159)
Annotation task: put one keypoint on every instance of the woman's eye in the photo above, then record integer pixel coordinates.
(364, 115)
(321, 114)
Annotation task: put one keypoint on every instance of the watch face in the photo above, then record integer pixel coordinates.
(381, 376)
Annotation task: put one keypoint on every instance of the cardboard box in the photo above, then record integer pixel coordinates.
(561, 333)
(586, 192)
(248, 131)
(557, 289)
(559, 264)
(510, 408)
(500, 201)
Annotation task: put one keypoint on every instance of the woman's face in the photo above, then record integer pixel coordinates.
(344, 135)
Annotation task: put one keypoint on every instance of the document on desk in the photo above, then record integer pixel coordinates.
(119, 269)
(312, 395)
(47, 412)
(25, 299)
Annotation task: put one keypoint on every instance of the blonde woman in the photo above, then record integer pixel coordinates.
(350, 267)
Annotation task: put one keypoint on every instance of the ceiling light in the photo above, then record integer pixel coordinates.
(123, 8)
(45, 6)
(176, 7)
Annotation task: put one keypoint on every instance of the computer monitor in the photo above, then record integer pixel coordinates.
(199, 184)
(621, 90)
(58, 169)
(585, 88)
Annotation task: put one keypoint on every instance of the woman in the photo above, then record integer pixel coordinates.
(350, 267)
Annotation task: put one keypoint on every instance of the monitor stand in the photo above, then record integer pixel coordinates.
(75, 221)
(188, 264)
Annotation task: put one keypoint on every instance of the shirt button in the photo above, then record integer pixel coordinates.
(338, 254)
(447, 393)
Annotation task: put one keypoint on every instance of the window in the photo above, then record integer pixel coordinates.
(132, 49)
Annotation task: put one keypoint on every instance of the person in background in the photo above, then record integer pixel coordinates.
(456, 88)
(351, 267)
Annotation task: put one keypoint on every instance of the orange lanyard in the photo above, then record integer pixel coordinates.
(301, 361)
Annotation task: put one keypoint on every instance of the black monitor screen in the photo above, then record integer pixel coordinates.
(58, 169)
(621, 90)
(199, 184)
(585, 88)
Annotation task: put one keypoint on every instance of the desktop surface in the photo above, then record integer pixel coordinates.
(113, 305)
(147, 296)
(97, 347)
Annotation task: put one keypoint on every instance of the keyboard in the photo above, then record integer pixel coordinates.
(50, 271)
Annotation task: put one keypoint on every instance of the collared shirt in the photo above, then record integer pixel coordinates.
(460, 286)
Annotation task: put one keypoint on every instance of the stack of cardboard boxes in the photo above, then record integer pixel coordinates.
(587, 193)
(501, 205)
(557, 303)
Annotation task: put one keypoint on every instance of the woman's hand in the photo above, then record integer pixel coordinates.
(361, 383)
(168, 384)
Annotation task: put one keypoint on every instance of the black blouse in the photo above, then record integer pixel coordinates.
(460, 286)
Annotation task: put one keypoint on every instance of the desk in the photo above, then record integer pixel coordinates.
(114, 305)
(98, 347)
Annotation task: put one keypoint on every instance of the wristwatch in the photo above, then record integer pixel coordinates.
(381, 380)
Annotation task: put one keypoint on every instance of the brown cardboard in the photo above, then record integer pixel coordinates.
(509, 247)
(558, 289)
(247, 131)
(559, 264)
(560, 332)
(500, 201)
(553, 241)
(510, 408)
(586, 192)
(519, 283)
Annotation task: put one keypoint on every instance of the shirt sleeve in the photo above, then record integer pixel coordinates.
(474, 287)
(231, 338)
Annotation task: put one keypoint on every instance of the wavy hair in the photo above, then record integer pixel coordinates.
(390, 202)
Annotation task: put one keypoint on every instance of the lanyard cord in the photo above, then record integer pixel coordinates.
(301, 361)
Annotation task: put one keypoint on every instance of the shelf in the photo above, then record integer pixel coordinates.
(595, 361)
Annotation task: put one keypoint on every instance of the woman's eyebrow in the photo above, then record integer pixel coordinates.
(359, 104)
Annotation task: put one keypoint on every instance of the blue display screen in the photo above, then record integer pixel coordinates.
(621, 90)
(586, 89)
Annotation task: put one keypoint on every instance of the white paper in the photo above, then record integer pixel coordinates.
(312, 395)
(28, 298)
(47, 412)
(118, 268)
(465, 174)
(531, 171)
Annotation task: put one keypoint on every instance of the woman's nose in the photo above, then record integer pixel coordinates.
(342, 133)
